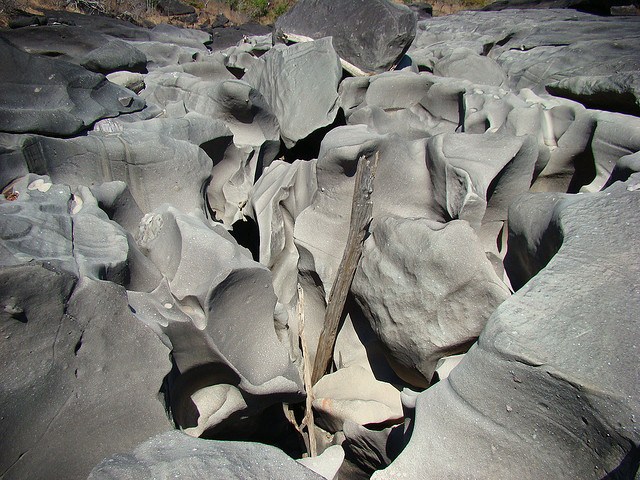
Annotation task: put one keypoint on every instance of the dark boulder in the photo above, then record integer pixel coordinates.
(175, 7)
(371, 34)
(54, 97)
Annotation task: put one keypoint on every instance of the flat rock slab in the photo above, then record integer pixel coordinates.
(49, 96)
(536, 48)
(371, 34)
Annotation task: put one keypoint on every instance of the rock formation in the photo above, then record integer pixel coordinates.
(175, 208)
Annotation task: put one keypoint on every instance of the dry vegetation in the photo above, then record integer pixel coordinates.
(238, 11)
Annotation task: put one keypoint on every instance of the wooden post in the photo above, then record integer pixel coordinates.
(361, 209)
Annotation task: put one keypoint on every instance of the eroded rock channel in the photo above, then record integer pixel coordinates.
(166, 228)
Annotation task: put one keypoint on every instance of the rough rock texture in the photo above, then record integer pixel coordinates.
(43, 95)
(157, 167)
(374, 39)
(428, 289)
(175, 454)
(79, 372)
(538, 47)
(542, 391)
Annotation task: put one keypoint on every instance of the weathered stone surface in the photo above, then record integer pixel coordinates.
(300, 84)
(402, 180)
(541, 391)
(327, 463)
(38, 98)
(602, 7)
(175, 453)
(157, 168)
(374, 38)
(353, 394)
(47, 223)
(79, 373)
(535, 47)
(617, 92)
(243, 108)
(114, 56)
(427, 289)
(205, 311)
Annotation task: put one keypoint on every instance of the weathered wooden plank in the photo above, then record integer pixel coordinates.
(361, 208)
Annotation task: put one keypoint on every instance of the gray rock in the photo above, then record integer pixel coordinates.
(12, 162)
(542, 392)
(48, 223)
(300, 84)
(476, 177)
(277, 198)
(596, 7)
(79, 373)
(243, 108)
(427, 289)
(204, 310)
(468, 65)
(537, 47)
(157, 168)
(176, 454)
(327, 463)
(114, 56)
(37, 99)
(618, 92)
(400, 189)
(371, 34)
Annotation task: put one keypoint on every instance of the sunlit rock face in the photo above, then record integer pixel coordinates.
(166, 256)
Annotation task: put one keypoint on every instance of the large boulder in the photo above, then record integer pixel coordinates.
(421, 301)
(551, 388)
(114, 56)
(371, 34)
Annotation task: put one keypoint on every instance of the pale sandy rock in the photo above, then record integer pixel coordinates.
(327, 463)
(354, 394)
